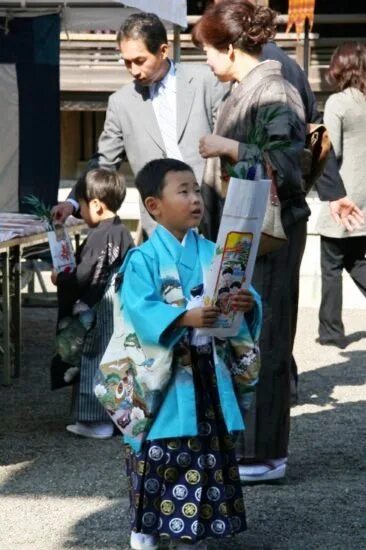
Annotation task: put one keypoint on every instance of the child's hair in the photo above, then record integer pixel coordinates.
(223, 289)
(235, 284)
(150, 180)
(103, 184)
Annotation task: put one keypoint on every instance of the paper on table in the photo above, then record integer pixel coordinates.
(236, 251)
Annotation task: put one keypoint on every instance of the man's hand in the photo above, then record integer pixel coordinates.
(218, 146)
(61, 211)
(345, 212)
(242, 301)
(199, 317)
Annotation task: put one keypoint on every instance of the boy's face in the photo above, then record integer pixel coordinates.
(180, 207)
(90, 212)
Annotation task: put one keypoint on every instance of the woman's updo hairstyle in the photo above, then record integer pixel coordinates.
(237, 22)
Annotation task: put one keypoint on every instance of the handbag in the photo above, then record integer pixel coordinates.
(273, 235)
(315, 155)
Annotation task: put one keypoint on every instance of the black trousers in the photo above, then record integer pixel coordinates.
(276, 278)
(336, 255)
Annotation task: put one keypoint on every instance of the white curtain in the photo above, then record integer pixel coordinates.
(174, 11)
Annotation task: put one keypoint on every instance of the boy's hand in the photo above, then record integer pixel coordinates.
(54, 277)
(199, 317)
(242, 301)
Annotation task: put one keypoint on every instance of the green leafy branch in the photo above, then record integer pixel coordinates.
(258, 136)
(39, 209)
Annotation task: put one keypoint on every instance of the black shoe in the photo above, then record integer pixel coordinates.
(340, 342)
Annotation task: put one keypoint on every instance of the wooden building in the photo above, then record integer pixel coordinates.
(91, 69)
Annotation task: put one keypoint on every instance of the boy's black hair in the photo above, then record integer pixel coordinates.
(235, 284)
(146, 27)
(103, 184)
(150, 180)
(223, 289)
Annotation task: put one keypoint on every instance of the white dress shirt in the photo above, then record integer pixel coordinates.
(163, 95)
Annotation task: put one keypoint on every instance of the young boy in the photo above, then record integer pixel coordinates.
(85, 293)
(183, 470)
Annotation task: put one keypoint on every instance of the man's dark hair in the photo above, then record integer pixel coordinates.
(146, 27)
(103, 184)
(150, 180)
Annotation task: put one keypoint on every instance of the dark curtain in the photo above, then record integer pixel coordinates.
(32, 43)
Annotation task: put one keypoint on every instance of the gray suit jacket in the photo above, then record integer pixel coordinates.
(345, 118)
(131, 130)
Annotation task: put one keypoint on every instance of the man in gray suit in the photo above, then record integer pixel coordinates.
(163, 112)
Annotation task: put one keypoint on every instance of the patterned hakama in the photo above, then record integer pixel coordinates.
(85, 406)
(189, 488)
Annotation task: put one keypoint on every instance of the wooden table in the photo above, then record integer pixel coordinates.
(12, 250)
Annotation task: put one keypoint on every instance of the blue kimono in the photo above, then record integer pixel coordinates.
(184, 477)
(157, 281)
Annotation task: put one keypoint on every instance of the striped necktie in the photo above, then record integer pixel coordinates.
(166, 114)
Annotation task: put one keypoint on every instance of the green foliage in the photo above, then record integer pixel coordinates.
(39, 209)
(258, 137)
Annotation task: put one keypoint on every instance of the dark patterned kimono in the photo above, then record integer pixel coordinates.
(98, 261)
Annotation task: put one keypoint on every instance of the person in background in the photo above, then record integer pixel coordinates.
(87, 293)
(264, 446)
(162, 113)
(345, 119)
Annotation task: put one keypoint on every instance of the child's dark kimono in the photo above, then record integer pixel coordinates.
(91, 286)
(184, 477)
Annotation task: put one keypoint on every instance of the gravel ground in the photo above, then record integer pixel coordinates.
(58, 491)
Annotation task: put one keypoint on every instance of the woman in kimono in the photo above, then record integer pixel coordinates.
(188, 391)
(232, 34)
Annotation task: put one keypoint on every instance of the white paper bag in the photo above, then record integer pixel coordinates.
(236, 251)
(62, 253)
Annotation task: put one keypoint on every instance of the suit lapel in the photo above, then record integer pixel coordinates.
(146, 116)
(185, 95)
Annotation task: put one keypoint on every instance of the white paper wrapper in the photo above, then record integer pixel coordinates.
(236, 251)
(62, 253)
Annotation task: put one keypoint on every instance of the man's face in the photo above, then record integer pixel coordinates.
(144, 67)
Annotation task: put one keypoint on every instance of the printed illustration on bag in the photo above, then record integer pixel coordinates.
(232, 272)
(61, 249)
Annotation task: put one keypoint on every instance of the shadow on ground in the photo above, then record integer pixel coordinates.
(320, 506)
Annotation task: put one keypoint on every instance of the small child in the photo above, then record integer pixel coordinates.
(83, 296)
(184, 476)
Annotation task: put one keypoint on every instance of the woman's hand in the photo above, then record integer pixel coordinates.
(199, 317)
(242, 301)
(218, 146)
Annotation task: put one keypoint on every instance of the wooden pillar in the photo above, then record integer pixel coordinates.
(70, 143)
